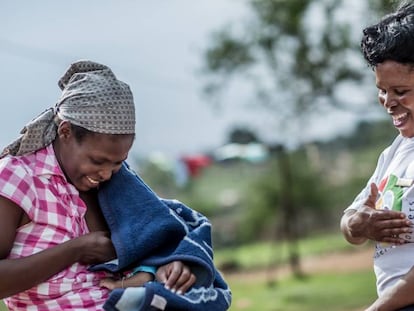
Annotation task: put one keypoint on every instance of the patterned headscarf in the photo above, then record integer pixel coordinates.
(92, 97)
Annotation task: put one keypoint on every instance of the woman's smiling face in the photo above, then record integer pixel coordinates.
(395, 83)
(93, 159)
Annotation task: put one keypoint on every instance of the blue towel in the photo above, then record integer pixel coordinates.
(148, 230)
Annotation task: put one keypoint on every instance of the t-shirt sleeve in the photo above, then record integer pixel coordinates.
(375, 178)
(16, 184)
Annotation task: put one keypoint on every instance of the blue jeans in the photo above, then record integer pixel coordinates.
(408, 308)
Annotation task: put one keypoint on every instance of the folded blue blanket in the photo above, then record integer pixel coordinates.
(148, 230)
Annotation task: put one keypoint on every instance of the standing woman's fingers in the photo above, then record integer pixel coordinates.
(372, 198)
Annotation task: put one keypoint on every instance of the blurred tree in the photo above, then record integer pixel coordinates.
(303, 187)
(159, 177)
(296, 57)
(242, 135)
(382, 7)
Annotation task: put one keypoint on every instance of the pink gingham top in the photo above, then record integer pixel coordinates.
(36, 183)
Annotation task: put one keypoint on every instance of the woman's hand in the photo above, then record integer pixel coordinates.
(377, 225)
(95, 247)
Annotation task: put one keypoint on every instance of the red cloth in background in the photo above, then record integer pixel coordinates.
(195, 163)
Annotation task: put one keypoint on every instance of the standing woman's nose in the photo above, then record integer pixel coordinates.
(386, 99)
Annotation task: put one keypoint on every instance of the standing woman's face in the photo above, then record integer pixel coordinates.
(395, 83)
(92, 160)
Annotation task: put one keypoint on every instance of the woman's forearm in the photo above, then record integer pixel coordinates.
(21, 274)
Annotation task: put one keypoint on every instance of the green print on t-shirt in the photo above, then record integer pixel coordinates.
(391, 197)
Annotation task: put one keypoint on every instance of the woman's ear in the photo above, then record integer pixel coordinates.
(64, 130)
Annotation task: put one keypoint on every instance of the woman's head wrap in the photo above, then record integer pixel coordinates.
(92, 97)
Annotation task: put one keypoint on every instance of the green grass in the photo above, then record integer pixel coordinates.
(2, 306)
(333, 292)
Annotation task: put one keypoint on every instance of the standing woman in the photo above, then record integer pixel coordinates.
(384, 210)
(51, 226)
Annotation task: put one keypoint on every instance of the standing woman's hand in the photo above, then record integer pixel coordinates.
(176, 276)
(377, 225)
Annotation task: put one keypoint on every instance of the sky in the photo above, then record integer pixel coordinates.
(154, 46)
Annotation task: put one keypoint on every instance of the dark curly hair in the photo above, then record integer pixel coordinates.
(392, 38)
